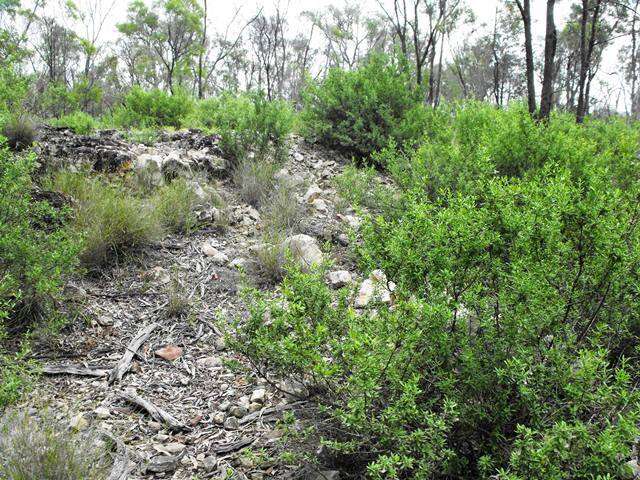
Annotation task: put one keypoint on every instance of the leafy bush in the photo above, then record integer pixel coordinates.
(43, 448)
(511, 348)
(79, 122)
(20, 132)
(112, 220)
(36, 253)
(153, 108)
(360, 187)
(359, 111)
(145, 136)
(250, 124)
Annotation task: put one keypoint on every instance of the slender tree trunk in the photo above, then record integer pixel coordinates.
(586, 52)
(201, 55)
(525, 13)
(550, 43)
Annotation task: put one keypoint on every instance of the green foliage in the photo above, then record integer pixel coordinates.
(44, 448)
(79, 122)
(249, 123)
(57, 100)
(36, 253)
(16, 376)
(153, 108)
(20, 132)
(13, 90)
(145, 136)
(511, 348)
(360, 187)
(111, 219)
(359, 111)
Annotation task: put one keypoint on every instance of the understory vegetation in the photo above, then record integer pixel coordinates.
(506, 233)
(511, 348)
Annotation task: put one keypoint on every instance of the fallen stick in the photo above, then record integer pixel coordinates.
(267, 412)
(158, 414)
(124, 364)
(233, 446)
(75, 370)
(120, 468)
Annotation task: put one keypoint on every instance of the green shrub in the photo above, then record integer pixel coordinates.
(111, 219)
(360, 187)
(45, 449)
(20, 132)
(511, 348)
(359, 111)
(250, 124)
(36, 253)
(79, 122)
(153, 108)
(145, 136)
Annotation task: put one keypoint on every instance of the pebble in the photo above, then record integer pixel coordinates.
(231, 423)
(102, 413)
(258, 395)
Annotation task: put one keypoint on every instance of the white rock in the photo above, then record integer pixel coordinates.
(320, 205)
(375, 287)
(314, 192)
(339, 278)
(258, 395)
(102, 413)
(79, 422)
(304, 251)
(170, 448)
(218, 257)
(208, 362)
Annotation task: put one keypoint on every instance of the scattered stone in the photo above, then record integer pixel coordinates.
(162, 464)
(218, 257)
(238, 411)
(210, 464)
(320, 205)
(79, 422)
(231, 423)
(343, 239)
(170, 448)
(258, 395)
(170, 352)
(155, 426)
(293, 389)
(375, 287)
(254, 407)
(102, 413)
(304, 250)
(339, 278)
(219, 417)
(209, 362)
(174, 166)
(224, 406)
(312, 194)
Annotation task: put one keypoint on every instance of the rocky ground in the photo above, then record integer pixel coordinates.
(185, 407)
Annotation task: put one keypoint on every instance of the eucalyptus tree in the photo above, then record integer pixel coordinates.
(171, 30)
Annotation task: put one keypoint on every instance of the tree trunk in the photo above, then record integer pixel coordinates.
(550, 42)
(525, 13)
(203, 46)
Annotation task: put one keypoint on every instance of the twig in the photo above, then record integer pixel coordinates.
(124, 364)
(156, 413)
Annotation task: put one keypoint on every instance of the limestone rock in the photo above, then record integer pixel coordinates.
(304, 251)
(339, 278)
(313, 193)
(376, 287)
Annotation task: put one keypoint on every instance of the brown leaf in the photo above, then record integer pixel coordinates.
(170, 352)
